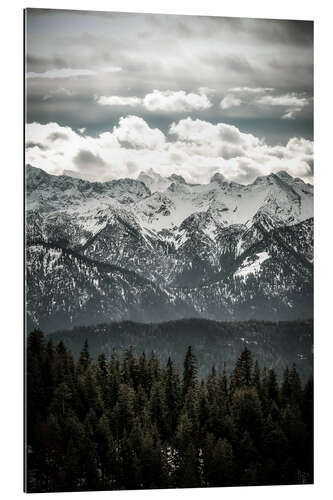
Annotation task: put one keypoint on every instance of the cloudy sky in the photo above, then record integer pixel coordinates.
(112, 94)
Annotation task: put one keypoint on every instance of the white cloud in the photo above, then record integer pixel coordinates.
(293, 102)
(230, 101)
(242, 95)
(62, 73)
(71, 72)
(175, 101)
(286, 100)
(137, 133)
(112, 69)
(291, 114)
(214, 136)
(168, 101)
(300, 145)
(263, 97)
(116, 100)
(251, 90)
(200, 148)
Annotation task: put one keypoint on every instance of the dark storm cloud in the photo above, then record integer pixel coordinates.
(284, 32)
(296, 33)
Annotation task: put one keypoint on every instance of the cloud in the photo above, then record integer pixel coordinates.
(116, 100)
(55, 136)
(112, 69)
(260, 97)
(238, 96)
(203, 132)
(300, 145)
(176, 101)
(136, 132)
(206, 91)
(286, 100)
(291, 114)
(166, 101)
(31, 145)
(251, 90)
(62, 73)
(70, 72)
(293, 102)
(86, 160)
(197, 150)
(164, 52)
(230, 101)
(61, 91)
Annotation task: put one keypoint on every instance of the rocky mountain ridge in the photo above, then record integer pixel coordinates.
(220, 250)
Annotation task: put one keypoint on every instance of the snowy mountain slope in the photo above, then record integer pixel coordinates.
(65, 289)
(270, 280)
(47, 192)
(220, 250)
(289, 201)
(154, 181)
(285, 199)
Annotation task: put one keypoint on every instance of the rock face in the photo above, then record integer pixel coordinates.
(158, 248)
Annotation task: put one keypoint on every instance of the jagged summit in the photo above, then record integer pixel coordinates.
(218, 177)
(207, 250)
(152, 177)
(284, 175)
(284, 198)
(49, 192)
(177, 178)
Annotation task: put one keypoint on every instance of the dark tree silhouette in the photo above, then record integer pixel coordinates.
(128, 422)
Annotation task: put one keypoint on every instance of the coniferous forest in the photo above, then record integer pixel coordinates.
(128, 422)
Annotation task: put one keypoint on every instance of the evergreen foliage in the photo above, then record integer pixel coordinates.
(131, 422)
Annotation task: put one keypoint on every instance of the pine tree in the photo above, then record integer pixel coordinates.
(242, 373)
(190, 371)
(187, 473)
(84, 358)
(218, 459)
(172, 397)
(272, 386)
(246, 412)
(87, 429)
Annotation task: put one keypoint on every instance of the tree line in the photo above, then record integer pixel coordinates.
(132, 422)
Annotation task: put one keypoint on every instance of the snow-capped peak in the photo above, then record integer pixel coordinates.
(284, 175)
(219, 178)
(177, 178)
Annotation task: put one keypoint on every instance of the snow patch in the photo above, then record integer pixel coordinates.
(250, 266)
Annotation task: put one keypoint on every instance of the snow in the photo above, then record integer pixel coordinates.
(83, 209)
(180, 239)
(251, 267)
(210, 230)
(232, 203)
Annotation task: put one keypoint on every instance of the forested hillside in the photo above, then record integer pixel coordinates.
(132, 422)
(274, 344)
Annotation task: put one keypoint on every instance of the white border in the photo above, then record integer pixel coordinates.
(11, 246)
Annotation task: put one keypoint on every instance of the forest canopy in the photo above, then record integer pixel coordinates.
(128, 421)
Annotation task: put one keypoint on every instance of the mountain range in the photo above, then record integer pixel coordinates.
(157, 248)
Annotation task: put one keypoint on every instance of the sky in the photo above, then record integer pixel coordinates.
(109, 95)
